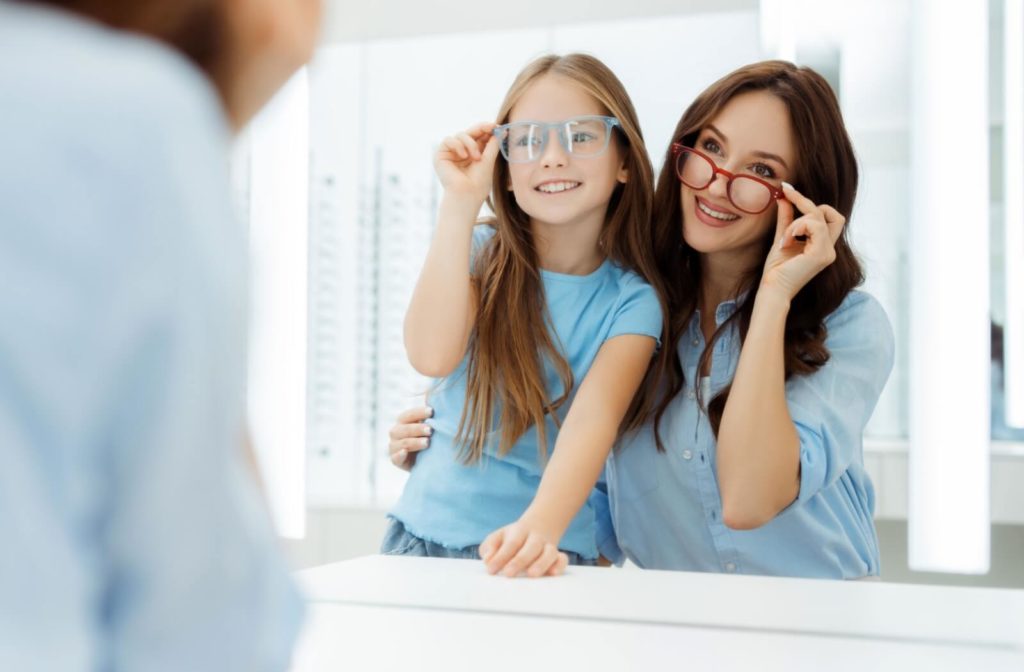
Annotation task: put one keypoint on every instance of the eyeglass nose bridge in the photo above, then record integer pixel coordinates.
(562, 141)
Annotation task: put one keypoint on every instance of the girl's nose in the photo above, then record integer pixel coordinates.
(554, 153)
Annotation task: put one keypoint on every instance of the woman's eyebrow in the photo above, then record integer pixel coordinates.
(758, 154)
(772, 157)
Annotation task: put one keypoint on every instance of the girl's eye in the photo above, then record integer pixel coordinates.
(580, 137)
(763, 171)
(711, 146)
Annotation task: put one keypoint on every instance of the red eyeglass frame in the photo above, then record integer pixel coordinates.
(679, 148)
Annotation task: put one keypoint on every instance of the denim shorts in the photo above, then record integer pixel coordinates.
(400, 541)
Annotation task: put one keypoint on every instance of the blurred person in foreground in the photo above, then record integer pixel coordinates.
(133, 533)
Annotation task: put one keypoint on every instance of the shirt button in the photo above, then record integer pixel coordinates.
(695, 342)
(730, 566)
(687, 454)
(690, 394)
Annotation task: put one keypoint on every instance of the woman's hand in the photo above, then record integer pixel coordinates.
(409, 435)
(523, 548)
(465, 162)
(792, 263)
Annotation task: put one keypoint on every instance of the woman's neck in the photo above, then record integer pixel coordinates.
(722, 279)
(570, 249)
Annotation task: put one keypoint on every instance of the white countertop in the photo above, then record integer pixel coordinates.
(384, 613)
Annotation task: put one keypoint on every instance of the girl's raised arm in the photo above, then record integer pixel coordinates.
(440, 316)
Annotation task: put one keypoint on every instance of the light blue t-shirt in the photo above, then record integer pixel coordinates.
(133, 536)
(667, 509)
(455, 505)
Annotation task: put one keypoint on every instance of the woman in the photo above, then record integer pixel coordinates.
(753, 462)
(134, 534)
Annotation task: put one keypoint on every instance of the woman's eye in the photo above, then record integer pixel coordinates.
(582, 137)
(763, 171)
(711, 146)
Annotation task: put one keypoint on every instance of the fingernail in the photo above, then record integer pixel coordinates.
(424, 442)
(428, 430)
(787, 185)
(430, 412)
(401, 455)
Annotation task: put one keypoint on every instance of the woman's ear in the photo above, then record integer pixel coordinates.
(623, 175)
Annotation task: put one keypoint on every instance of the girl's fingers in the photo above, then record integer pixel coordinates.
(415, 415)
(527, 555)
(510, 545)
(802, 203)
(412, 445)
(481, 130)
(490, 150)
(471, 145)
(493, 540)
(454, 146)
(410, 431)
(544, 562)
(559, 567)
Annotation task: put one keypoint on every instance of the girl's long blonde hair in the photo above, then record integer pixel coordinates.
(510, 342)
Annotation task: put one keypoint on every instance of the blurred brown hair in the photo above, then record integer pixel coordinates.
(193, 27)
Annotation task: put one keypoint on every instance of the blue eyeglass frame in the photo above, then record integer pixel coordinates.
(563, 138)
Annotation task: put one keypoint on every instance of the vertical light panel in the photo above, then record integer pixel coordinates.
(1013, 190)
(778, 29)
(949, 284)
(279, 222)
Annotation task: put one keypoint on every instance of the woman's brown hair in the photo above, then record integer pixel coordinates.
(825, 172)
(510, 342)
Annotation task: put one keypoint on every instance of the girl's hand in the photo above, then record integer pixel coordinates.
(409, 435)
(465, 162)
(522, 548)
(792, 263)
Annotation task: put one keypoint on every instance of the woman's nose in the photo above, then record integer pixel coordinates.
(719, 186)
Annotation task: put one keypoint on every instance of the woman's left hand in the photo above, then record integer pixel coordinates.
(792, 263)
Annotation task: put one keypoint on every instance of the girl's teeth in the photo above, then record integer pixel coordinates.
(714, 213)
(555, 187)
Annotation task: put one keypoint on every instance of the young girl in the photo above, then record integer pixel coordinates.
(542, 325)
(753, 461)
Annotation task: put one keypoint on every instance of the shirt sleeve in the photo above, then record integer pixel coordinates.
(831, 407)
(639, 311)
(196, 580)
(122, 393)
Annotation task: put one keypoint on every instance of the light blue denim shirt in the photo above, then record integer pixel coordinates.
(666, 507)
(132, 536)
